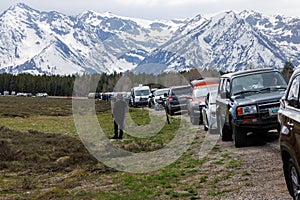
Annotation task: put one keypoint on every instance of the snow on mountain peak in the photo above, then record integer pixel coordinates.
(53, 43)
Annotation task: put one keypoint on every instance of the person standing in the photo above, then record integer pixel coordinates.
(120, 108)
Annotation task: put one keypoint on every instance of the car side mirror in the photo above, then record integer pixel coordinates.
(282, 102)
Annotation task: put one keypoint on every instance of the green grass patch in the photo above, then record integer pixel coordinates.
(44, 155)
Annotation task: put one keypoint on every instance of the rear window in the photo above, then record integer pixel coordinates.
(182, 91)
(142, 92)
(160, 92)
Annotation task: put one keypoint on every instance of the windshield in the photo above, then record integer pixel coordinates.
(160, 92)
(200, 92)
(257, 82)
(203, 91)
(182, 91)
(142, 92)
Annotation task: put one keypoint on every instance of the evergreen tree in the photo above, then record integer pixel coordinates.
(287, 70)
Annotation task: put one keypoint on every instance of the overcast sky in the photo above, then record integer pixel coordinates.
(161, 9)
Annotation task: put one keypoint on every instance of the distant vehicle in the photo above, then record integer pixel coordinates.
(23, 94)
(139, 96)
(5, 93)
(94, 95)
(157, 95)
(41, 95)
(125, 96)
(177, 98)
(106, 96)
(209, 112)
(248, 101)
(289, 118)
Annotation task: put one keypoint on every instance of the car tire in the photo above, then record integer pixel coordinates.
(171, 112)
(239, 137)
(293, 179)
(205, 128)
(223, 130)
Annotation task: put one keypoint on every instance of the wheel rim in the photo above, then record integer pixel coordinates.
(295, 182)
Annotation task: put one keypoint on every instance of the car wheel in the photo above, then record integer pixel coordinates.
(239, 137)
(293, 179)
(205, 128)
(171, 112)
(223, 130)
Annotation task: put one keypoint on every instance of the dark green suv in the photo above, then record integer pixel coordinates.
(248, 101)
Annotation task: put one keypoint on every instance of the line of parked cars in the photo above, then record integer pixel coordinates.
(237, 105)
(257, 101)
(198, 99)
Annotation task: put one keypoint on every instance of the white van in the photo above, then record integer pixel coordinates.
(139, 96)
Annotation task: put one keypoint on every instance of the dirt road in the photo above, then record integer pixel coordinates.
(260, 176)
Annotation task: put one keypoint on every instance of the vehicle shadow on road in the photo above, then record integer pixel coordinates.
(259, 139)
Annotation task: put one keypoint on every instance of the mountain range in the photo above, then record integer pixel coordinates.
(39, 42)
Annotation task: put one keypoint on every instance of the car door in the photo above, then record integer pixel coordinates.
(223, 101)
(291, 112)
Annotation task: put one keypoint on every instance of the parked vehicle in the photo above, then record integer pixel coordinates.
(139, 96)
(209, 112)
(94, 95)
(177, 98)
(157, 95)
(289, 118)
(197, 100)
(248, 101)
(41, 95)
(23, 94)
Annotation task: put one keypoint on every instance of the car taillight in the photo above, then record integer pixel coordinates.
(170, 97)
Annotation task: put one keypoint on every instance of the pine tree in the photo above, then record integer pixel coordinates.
(288, 70)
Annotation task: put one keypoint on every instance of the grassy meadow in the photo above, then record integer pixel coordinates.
(42, 157)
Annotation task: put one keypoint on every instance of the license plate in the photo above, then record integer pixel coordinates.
(273, 111)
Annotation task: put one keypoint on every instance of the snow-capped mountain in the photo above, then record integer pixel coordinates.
(229, 41)
(38, 42)
(52, 43)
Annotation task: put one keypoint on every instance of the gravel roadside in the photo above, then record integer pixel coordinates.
(262, 160)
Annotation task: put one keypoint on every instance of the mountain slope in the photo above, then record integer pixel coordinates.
(53, 43)
(229, 42)
(38, 42)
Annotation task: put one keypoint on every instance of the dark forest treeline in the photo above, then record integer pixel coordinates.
(56, 85)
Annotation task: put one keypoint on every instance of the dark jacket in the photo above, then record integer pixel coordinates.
(120, 108)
